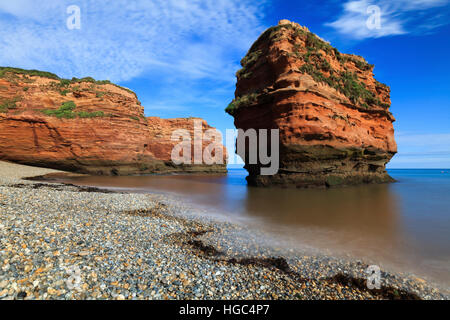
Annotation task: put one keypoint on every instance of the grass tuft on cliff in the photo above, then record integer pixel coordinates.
(8, 104)
(240, 102)
(247, 62)
(66, 111)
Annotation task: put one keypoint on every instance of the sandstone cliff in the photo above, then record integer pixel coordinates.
(333, 116)
(85, 126)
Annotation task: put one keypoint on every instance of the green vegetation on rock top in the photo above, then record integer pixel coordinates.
(92, 80)
(345, 82)
(63, 82)
(315, 65)
(4, 70)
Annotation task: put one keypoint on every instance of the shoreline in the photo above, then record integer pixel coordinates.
(146, 246)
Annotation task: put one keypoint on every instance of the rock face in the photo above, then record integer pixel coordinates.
(86, 126)
(333, 117)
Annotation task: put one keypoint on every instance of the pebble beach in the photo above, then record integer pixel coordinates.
(68, 242)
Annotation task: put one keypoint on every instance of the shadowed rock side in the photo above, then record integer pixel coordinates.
(333, 116)
(85, 126)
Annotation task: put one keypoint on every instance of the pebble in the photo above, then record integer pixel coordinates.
(59, 243)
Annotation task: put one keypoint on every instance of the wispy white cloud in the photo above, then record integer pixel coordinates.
(122, 39)
(191, 97)
(422, 150)
(428, 141)
(396, 17)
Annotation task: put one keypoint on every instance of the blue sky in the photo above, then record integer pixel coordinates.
(181, 56)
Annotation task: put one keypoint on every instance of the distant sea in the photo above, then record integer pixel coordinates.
(405, 224)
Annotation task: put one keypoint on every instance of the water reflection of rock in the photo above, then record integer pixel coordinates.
(364, 210)
(403, 224)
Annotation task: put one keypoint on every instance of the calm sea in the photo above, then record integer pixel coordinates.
(405, 225)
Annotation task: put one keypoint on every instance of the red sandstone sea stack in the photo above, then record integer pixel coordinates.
(85, 126)
(333, 116)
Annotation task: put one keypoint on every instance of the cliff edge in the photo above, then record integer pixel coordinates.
(86, 126)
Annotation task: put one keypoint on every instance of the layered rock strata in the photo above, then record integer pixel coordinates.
(86, 126)
(335, 127)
